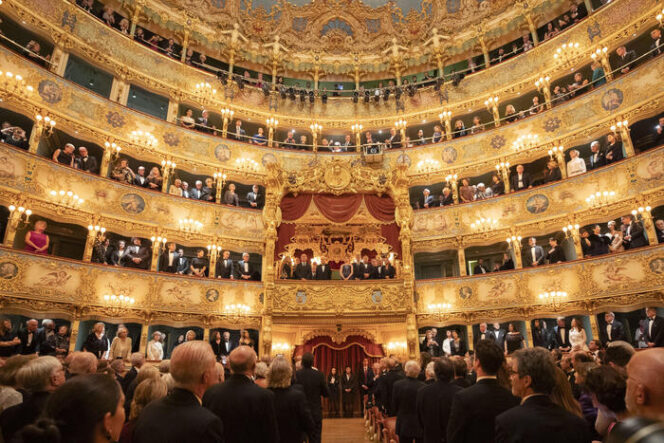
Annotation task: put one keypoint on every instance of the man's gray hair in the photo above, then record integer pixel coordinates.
(412, 368)
(35, 376)
(538, 364)
(429, 371)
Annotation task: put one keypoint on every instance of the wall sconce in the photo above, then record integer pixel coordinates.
(599, 53)
(272, 124)
(526, 141)
(543, 85)
(67, 198)
(190, 225)
(14, 84)
(315, 130)
(280, 348)
(556, 150)
(620, 126)
(566, 53)
(451, 180)
(428, 165)
(401, 125)
(571, 231)
(246, 164)
(143, 138)
(226, 115)
(357, 130)
(503, 169)
(643, 214)
(159, 243)
(445, 118)
(599, 199)
(113, 149)
(220, 177)
(554, 298)
(492, 106)
(514, 241)
(45, 122)
(660, 17)
(167, 166)
(118, 304)
(214, 250)
(205, 92)
(96, 229)
(21, 214)
(602, 54)
(237, 310)
(484, 224)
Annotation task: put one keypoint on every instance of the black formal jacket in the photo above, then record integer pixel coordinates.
(333, 388)
(255, 198)
(163, 263)
(657, 336)
(561, 342)
(434, 403)
(143, 253)
(617, 332)
(369, 382)
(499, 336)
(474, 410)
(90, 165)
(552, 175)
(302, 270)
(601, 160)
(183, 265)
(514, 181)
(246, 409)
(638, 238)
(540, 420)
(599, 245)
(540, 337)
(97, 346)
(348, 383)
(446, 201)
(314, 386)
(177, 418)
(357, 275)
(45, 345)
(221, 348)
(293, 415)
(404, 404)
(461, 350)
(24, 348)
(528, 257)
(223, 270)
(555, 256)
(365, 268)
(616, 150)
(478, 269)
(14, 418)
(384, 387)
(241, 271)
(323, 274)
(488, 335)
(116, 259)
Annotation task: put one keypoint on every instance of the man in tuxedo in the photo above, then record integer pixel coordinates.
(385, 384)
(561, 335)
(597, 157)
(538, 419)
(140, 179)
(179, 416)
(480, 268)
(239, 134)
(365, 380)
(84, 162)
(169, 259)
(118, 255)
(520, 180)
(226, 344)
(555, 254)
(203, 123)
(434, 402)
(626, 59)
(28, 337)
(394, 141)
(499, 335)
(347, 144)
(245, 271)
(323, 271)
(137, 256)
(654, 329)
(613, 330)
(255, 198)
(474, 409)
(533, 255)
(657, 46)
(484, 334)
(224, 268)
(314, 386)
(404, 403)
(183, 263)
(303, 269)
(348, 386)
(594, 244)
(357, 263)
(388, 270)
(634, 236)
(365, 268)
(427, 199)
(246, 409)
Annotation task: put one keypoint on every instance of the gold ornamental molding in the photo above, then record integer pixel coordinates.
(338, 336)
(120, 56)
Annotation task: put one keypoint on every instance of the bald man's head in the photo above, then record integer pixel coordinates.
(243, 360)
(645, 385)
(193, 366)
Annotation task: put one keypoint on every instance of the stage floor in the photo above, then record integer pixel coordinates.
(344, 430)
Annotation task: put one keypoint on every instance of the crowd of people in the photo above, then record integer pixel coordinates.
(357, 268)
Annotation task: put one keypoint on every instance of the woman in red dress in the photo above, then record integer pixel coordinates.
(37, 241)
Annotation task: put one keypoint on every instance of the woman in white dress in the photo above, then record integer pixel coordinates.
(616, 238)
(155, 348)
(577, 336)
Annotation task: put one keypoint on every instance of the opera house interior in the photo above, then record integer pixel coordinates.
(331, 220)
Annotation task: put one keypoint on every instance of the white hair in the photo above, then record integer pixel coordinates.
(594, 143)
(429, 371)
(412, 368)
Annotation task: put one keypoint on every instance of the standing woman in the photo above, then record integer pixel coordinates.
(155, 347)
(190, 336)
(466, 192)
(217, 344)
(616, 244)
(346, 271)
(155, 180)
(62, 342)
(285, 268)
(513, 340)
(121, 345)
(199, 264)
(97, 343)
(37, 241)
(245, 339)
(577, 336)
(333, 387)
(457, 346)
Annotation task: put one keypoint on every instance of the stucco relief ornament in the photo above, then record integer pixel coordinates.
(498, 141)
(552, 124)
(337, 177)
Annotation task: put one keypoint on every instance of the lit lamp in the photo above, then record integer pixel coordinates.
(118, 304)
(492, 106)
(315, 130)
(67, 198)
(439, 309)
(484, 224)
(111, 152)
(643, 215)
(553, 298)
(220, 182)
(236, 310)
(572, 232)
(213, 252)
(428, 165)
(44, 122)
(621, 128)
(566, 53)
(602, 54)
(557, 153)
(246, 164)
(18, 216)
(205, 93)
(660, 17)
(514, 245)
(399, 348)
(451, 181)
(15, 84)
(158, 248)
(357, 130)
(167, 168)
(401, 126)
(599, 199)
(94, 233)
(272, 124)
(445, 118)
(526, 141)
(280, 349)
(143, 138)
(503, 168)
(190, 225)
(543, 85)
(226, 114)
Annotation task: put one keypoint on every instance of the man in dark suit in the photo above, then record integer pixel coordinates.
(365, 268)
(183, 263)
(239, 134)
(323, 271)
(246, 409)
(657, 45)
(394, 141)
(434, 402)
(404, 403)
(244, 269)
(137, 256)
(169, 259)
(561, 335)
(555, 254)
(255, 198)
(179, 416)
(613, 330)
(499, 335)
(203, 123)
(28, 337)
(224, 267)
(85, 162)
(474, 409)
(46, 338)
(597, 157)
(357, 274)
(227, 344)
(388, 269)
(118, 254)
(427, 199)
(303, 269)
(446, 198)
(314, 386)
(654, 329)
(538, 419)
(480, 268)
(365, 380)
(140, 179)
(484, 334)
(626, 59)
(520, 179)
(385, 384)
(348, 388)
(634, 236)
(532, 254)
(594, 244)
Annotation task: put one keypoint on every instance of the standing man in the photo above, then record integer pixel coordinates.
(28, 338)
(314, 386)
(348, 386)
(227, 345)
(499, 335)
(303, 269)
(255, 198)
(613, 331)
(561, 337)
(533, 255)
(365, 380)
(404, 403)
(225, 266)
(244, 269)
(323, 271)
(654, 329)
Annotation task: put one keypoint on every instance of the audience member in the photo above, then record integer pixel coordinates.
(292, 410)
(634, 236)
(121, 345)
(576, 165)
(626, 59)
(314, 386)
(644, 395)
(654, 329)
(520, 180)
(607, 386)
(348, 386)
(434, 402)
(146, 392)
(404, 404)
(533, 255)
(37, 241)
(81, 363)
(85, 162)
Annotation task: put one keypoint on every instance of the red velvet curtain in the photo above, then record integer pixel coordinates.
(391, 234)
(293, 207)
(328, 354)
(285, 232)
(339, 209)
(380, 207)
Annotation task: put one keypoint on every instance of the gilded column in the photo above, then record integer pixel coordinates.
(154, 263)
(461, 254)
(594, 326)
(143, 345)
(119, 91)
(411, 336)
(105, 162)
(265, 339)
(529, 333)
(12, 227)
(206, 334)
(89, 245)
(185, 45)
(138, 6)
(73, 336)
(172, 113)
(35, 137)
(471, 337)
(485, 50)
(531, 27)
